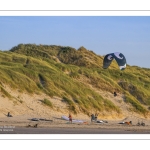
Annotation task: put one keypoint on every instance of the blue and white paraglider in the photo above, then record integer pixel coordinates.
(119, 57)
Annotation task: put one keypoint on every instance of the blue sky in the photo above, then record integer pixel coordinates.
(129, 35)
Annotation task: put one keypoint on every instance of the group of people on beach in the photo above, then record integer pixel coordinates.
(93, 117)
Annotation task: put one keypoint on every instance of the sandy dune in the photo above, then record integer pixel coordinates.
(23, 107)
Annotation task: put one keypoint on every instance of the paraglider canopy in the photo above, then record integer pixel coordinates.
(119, 57)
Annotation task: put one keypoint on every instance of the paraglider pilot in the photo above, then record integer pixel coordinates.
(115, 94)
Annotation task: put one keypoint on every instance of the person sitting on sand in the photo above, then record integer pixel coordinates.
(8, 115)
(128, 123)
(70, 118)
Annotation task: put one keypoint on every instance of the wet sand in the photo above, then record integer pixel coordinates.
(53, 130)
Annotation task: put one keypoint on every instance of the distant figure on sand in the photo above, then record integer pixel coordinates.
(8, 115)
(70, 118)
(96, 115)
(92, 117)
(128, 123)
(115, 94)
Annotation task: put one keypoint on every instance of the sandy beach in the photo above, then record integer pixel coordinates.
(56, 125)
(49, 119)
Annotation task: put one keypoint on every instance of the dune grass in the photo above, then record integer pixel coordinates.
(57, 70)
(47, 102)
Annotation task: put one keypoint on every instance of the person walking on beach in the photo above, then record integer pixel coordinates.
(70, 118)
